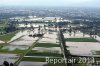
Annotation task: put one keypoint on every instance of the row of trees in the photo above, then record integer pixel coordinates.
(10, 28)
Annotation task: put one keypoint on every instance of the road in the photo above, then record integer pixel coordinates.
(18, 61)
(66, 53)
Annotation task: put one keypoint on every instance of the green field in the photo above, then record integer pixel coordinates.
(40, 56)
(79, 65)
(1, 45)
(33, 59)
(46, 45)
(7, 37)
(97, 52)
(14, 51)
(57, 64)
(3, 25)
(44, 54)
(80, 40)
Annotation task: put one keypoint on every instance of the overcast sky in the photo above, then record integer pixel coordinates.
(89, 3)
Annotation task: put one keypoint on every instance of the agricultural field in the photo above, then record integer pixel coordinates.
(82, 46)
(45, 47)
(14, 45)
(80, 40)
(7, 37)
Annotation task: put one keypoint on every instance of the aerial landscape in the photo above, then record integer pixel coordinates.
(65, 33)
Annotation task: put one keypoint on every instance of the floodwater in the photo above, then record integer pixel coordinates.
(30, 63)
(77, 35)
(51, 49)
(8, 57)
(20, 41)
(83, 48)
(29, 25)
(2, 41)
(12, 48)
(49, 38)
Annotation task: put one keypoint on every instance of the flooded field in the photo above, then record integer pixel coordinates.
(11, 58)
(76, 35)
(19, 43)
(47, 46)
(29, 25)
(50, 49)
(49, 38)
(25, 40)
(12, 47)
(2, 41)
(26, 63)
(83, 48)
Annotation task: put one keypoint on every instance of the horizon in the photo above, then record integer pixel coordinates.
(51, 3)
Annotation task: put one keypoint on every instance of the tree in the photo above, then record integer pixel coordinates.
(70, 30)
(5, 63)
(10, 28)
(11, 64)
(74, 32)
(39, 29)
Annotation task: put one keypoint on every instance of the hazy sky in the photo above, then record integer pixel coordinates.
(89, 3)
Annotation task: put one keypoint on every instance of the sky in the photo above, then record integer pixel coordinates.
(79, 3)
